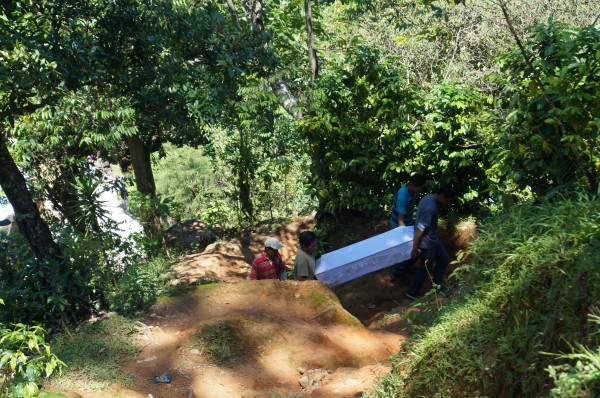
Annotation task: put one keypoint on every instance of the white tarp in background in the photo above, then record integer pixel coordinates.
(126, 223)
(366, 256)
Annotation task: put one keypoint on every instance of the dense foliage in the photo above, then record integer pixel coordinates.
(548, 107)
(25, 357)
(213, 107)
(526, 291)
(370, 129)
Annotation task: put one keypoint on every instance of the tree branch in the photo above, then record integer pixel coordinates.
(233, 13)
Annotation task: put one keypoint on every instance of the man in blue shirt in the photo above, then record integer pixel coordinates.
(403, 209)
(426, 244)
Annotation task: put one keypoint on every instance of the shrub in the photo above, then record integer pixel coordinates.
(24, 359)
(186, 175)
(580, 376)
(531, 278)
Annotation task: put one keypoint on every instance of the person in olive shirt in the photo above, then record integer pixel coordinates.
(304, 264)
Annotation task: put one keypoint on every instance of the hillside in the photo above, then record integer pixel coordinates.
(269, 332)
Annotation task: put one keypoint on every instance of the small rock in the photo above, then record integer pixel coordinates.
(147, 359)
(301, 370)
(304, 381)
(352, 382)
(195, 351)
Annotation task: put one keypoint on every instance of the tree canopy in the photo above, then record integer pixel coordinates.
(252, 111)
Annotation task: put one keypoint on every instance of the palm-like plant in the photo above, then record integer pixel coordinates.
(89, 209)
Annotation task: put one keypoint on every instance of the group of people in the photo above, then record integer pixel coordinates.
(269, 265)
(427, 249)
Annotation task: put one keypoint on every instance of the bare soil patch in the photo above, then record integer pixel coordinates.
(280, 329)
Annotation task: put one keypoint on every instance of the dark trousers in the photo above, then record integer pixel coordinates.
(433, 262)
(399, 269)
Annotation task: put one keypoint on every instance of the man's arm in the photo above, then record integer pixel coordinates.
(400, 219)
(253, 272)
(414, 253)
(400, 207)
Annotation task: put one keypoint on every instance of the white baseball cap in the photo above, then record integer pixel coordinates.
(273, 243)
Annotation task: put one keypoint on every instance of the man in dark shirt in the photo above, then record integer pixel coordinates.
(402, 215)
(426, 244)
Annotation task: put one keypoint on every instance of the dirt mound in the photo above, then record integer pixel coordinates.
(273, 337)
(231, 260)
(275, 328)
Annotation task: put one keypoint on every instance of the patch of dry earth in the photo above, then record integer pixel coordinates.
(282, 326)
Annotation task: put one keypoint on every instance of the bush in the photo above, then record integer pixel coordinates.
(531, 278)
(580, 376)
(34, 297)
(24, 359)
(547, 113)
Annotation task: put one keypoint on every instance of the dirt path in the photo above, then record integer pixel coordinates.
(285, 328)
(285, 337)
(278, 327)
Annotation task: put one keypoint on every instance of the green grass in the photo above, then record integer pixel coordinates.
(318, 298)
(95, 355)
(288, 395)
(348, 319)
(219, 341)
(201, 284)
(531, 279)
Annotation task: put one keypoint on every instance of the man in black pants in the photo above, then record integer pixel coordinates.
(403, 215)
(426, 244)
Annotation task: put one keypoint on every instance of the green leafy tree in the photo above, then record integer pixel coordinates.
(53, 143)
(186, 175)
(28, 77)
(371, 130)
(548, 107)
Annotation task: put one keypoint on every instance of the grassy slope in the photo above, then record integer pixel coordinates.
(531, 280)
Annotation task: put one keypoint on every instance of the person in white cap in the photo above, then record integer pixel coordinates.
(268, 264)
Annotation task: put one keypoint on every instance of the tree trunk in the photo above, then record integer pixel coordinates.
(244, 171)
(142, 167)
(312, 54)
(27, 215)
(287, 99)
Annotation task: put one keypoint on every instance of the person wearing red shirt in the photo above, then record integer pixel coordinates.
(268, 264)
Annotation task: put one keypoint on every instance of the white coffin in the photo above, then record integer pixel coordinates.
(366, 256)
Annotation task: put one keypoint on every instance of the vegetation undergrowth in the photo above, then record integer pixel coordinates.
(219, 341)
(95, 354)
(25, 357)
(530, 283)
